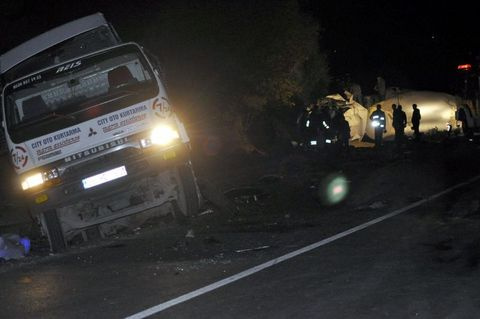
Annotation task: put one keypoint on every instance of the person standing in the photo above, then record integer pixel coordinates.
(395, 120)
(416, 122)
(399, 124)
(463, 115)
(304, 124)
(394, 109)
(314, 133)
(379, 123)
(344, 132)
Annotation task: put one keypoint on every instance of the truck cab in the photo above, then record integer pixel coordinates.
(90, 131)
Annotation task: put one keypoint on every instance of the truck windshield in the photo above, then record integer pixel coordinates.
(76, 91)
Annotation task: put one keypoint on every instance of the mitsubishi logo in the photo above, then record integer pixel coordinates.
(95, 150)
(92, 132)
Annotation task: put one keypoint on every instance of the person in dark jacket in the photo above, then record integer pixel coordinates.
(399, 124)
(304, 124)
(394, 109)
(462, 117)
(344, 132)
(416, 122)
(379, 123)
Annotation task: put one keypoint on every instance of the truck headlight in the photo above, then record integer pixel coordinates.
(32, 181)
(161, 135)
(39, 178)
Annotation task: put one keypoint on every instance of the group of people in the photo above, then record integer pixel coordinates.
(319, 126)
(399, 123)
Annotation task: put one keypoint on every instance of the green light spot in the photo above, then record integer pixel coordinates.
(334, 190)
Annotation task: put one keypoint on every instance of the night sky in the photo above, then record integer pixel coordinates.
(411, 45)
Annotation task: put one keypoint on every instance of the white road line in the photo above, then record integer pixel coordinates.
(193, 294)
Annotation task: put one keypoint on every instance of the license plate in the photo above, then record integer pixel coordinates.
(104, 177)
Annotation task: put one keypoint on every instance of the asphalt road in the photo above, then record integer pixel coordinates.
(420, 264)
(405, 267)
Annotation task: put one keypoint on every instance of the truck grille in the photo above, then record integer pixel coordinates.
(121, 157)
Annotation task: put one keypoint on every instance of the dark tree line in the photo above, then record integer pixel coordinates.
(236, 60)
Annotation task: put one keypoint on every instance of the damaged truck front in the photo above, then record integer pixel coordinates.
(90, 131)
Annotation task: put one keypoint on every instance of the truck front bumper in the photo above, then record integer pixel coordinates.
(140, 164)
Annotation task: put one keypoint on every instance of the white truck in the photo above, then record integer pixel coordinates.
(90, 131)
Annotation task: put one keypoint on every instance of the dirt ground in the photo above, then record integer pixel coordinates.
(253, 192)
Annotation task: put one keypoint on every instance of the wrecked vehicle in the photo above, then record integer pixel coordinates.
(91, 132)
(437, 110)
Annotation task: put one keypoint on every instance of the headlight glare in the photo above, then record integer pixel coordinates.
(163, 135)
(39, 178)
(32, 181)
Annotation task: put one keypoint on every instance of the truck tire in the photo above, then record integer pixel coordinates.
(188, 200)
(54, 231)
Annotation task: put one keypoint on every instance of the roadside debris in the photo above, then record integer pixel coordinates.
(190, 234)
(377, 205)
(206, 212)
(215, 196)
(247, 199)
(270, 179)
(211, 240)
(178, 270)
(13, 246)
(245, 194)
(252, 249)
(374, 205)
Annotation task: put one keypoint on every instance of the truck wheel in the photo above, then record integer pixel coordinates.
(188, 202)
(54, 231)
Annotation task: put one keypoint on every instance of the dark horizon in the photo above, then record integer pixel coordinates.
(411, 44)
(415, 46)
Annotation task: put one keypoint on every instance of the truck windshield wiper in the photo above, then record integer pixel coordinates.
(45, 118)
(110, 97)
